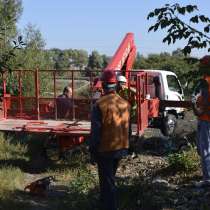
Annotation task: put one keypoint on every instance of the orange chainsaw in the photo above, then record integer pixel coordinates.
(40, 186)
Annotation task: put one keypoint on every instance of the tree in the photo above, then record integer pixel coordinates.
(62, 61)
(79, 58)
(33, 55)
(170, 17)
(10, 11)
(106, 60)
(95, 62)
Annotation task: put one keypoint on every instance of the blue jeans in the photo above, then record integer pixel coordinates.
(107, 167)
(203, 145)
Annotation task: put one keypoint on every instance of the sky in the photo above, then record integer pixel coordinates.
(100, 24)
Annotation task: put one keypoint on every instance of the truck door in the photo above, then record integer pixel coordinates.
(142, 103)
(174, 91)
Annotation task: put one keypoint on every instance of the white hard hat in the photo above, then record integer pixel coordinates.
(121, 78)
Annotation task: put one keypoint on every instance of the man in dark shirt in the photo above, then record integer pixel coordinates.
(64, 104)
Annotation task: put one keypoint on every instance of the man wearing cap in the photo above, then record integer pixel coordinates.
(109, 137)
(201, 107)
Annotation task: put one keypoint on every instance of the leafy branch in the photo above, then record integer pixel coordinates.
(167, 17)
(9, 54)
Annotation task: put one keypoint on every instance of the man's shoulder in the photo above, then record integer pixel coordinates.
(61, 96)
(111, 98)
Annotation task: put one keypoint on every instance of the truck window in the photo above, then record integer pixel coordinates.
(173, 84)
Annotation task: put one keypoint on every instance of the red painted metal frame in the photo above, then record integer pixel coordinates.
(19, 99)
(142, 103)
(37, 91)
(37, 113)
(124, 57)
(54, 89)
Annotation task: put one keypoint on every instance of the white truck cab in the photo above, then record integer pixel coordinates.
(166, 86)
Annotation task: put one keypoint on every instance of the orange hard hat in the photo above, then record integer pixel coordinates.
(109, 76)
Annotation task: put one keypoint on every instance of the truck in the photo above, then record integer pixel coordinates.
(168, 88)
(159, 98)
(161, 84)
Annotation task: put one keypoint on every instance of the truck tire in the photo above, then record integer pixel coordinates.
(169, 125)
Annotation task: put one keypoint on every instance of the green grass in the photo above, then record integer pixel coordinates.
(186, 161)
(17, 156)
(12, 179)
(12, 150)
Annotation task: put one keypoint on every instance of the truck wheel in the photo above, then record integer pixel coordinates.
(169, 125)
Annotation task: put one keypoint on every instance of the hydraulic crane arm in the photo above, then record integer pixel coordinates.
(124, 57)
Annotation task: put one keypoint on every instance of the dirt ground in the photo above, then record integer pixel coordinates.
(160, 187)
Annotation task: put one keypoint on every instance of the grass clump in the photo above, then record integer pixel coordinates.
(186, 161)
(10, 150)
(11, 179)
(83, 181)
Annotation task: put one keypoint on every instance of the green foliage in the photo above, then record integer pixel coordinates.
(10, 11)
(33, 55)
(62, 61)
(11, 150)
(186, 161)
(169, 17)
(95, 61)
(8, 54)
(14, 179)
(84, 91)
(83, 181)
(11, 177)
(78, 58)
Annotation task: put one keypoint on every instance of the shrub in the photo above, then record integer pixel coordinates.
(184, 161)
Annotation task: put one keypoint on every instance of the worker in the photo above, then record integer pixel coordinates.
(64, 103)
(109, 137)
(129, 94)
(64, 111)
(201, 107)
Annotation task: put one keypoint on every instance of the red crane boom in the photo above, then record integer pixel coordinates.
(124, 57)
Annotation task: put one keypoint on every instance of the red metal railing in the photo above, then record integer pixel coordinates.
(37, 95)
